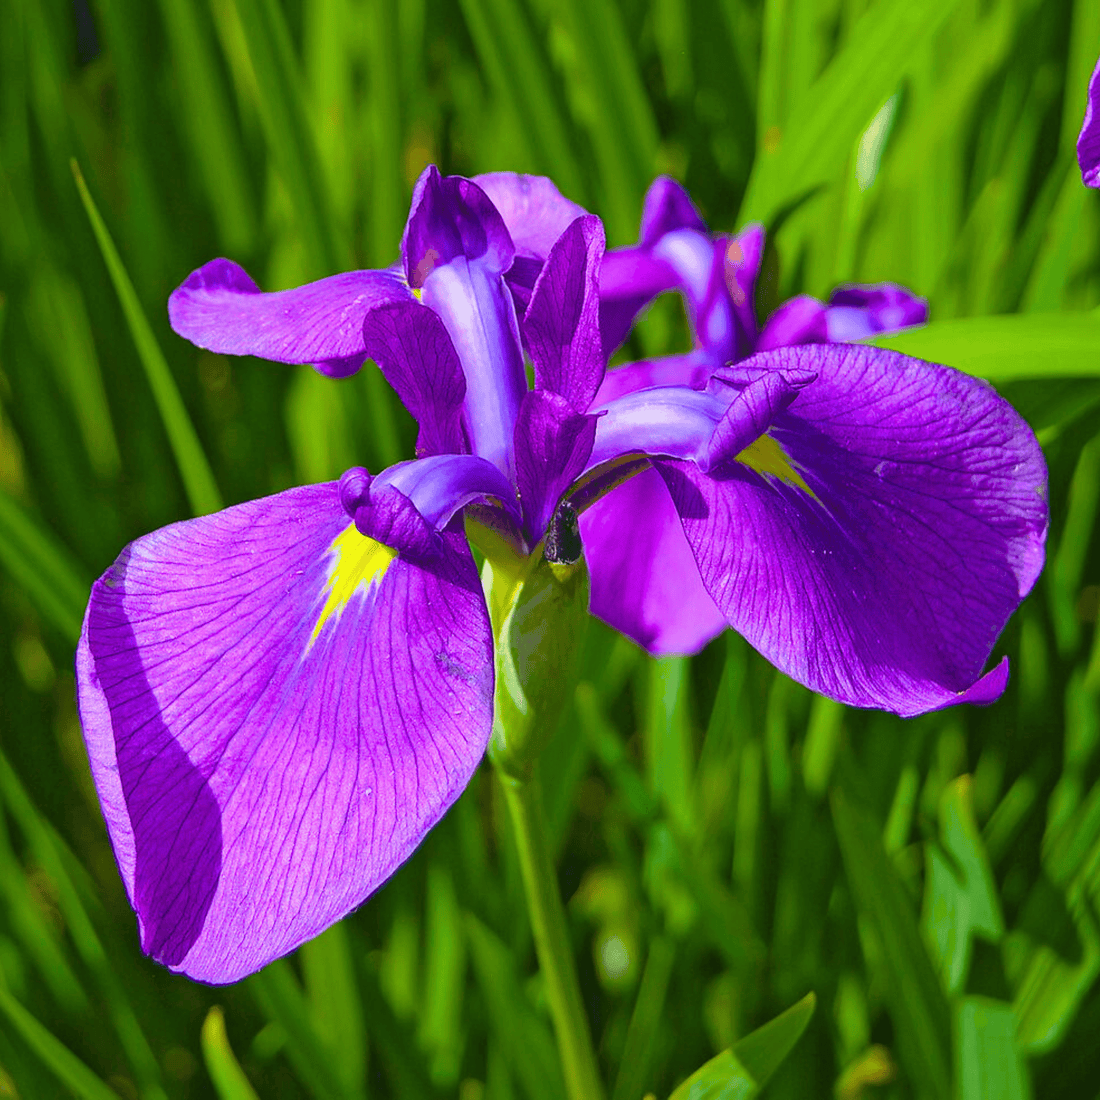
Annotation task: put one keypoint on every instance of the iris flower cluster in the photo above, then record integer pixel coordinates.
(281, 699)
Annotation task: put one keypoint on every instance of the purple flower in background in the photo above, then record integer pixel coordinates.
(1088, 141)
(280, 700)
(667, 606)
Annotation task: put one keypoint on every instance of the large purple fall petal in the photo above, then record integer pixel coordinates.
(874, 543)
(218, 307)
(644, 580)
(562, 323)
(1088, 141)
(276, 711)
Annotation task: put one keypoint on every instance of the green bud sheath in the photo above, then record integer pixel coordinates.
(540, 613)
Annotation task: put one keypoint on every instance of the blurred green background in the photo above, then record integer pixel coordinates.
(726, 841)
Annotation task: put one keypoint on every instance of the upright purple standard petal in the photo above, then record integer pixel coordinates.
(218, 307)
(534, 210)
(631, 278)
(553, 443)
(875, 541)
(1088, 141)
(457, 249)
(667, 207)
(562, 323)
(276, 709)
(414, 352)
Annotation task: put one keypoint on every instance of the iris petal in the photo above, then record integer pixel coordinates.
(534, 210)
(644, 580)
(1088, 141)
(562, 322)
(218, 307)
(457, 248)
(877, 550)
(414, 353)
(260, 776)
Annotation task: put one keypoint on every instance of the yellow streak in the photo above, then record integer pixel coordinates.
(765, 456)
(356, 560)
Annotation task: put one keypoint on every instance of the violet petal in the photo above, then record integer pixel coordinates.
(644, 580)
(412, 348)
(219, 308)
(276, 713)
(1088, 141)
(799, 320)
(534, 210)
(553, 443)
(667, 207)
(875, 542)
(562, 323)
(856, 312)
(439, 485)
(452, 217)
(456, 248)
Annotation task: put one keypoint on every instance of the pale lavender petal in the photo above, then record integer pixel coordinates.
(856, 312)
(534, 210)
(672, 421)
(456, 248)
(219, 308)
(553, 443)
(562, 323)
(440, 485)
(1088, 141)
(875, 542)
(410, 345)
(701, 264)
(644, 580)
(273, 723)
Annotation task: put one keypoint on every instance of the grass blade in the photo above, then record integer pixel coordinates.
(828, 120)
(1007, 348)
(230, 1082)
(918, 1004)
(198, 479)
(65, 1065)
(42, 569)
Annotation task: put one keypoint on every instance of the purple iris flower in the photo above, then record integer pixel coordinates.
(279, 700)
(667, 606)
(1088, 141)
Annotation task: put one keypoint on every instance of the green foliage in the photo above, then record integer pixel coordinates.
(726, 842)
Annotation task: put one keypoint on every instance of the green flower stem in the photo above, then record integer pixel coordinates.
(555, 953)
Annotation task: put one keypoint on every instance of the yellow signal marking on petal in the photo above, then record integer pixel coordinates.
(767, 457)
(356, 560)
